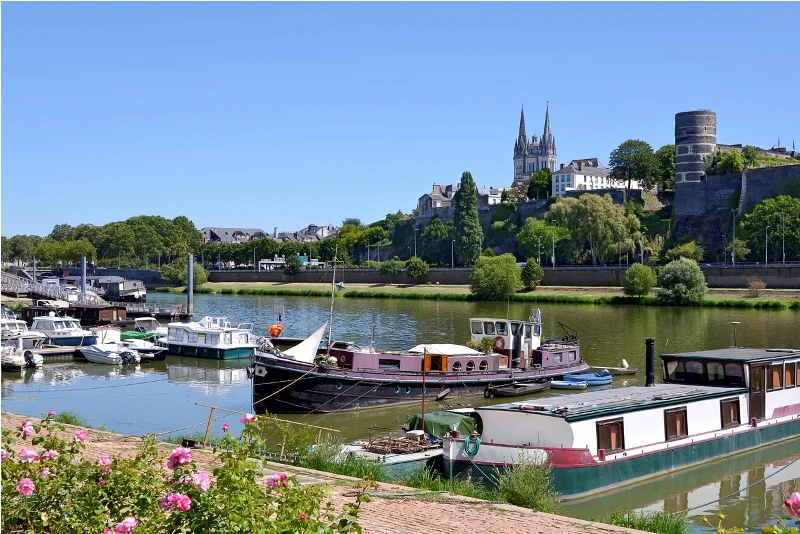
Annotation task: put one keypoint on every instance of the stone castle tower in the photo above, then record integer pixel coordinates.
(695, 141)
(536, 154)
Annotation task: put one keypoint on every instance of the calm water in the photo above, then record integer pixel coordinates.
(163, 396)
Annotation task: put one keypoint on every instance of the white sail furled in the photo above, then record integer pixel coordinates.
(446, 349)
(307, 350)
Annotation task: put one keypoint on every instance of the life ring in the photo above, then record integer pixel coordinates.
(499, 343)
(275, 330)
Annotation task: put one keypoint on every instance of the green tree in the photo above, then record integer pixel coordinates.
(60, 232)
(23, 247)
(741, 251)
(117, 240)
(177, 273)
(691, 250)
(467, 230)
(681, 282)
(436, 242)
(390, 268)
(416, 268)
(354, 221)
(50, 251)
(5, 250)
(293, 264)
(541, 183)
(634, 160)
(532, 274)
(495, 278)
(191, 235)
(488, 251)
(639, 280)
(74, 250)
(538, 235)
(750, 156)
(666, 166)
(725, 163)
(782, 215)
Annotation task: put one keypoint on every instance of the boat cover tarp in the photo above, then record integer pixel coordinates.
(439, 423)
(306, 351)
(132, 334)
(445, 349)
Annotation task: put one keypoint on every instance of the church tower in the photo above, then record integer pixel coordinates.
(536, 154)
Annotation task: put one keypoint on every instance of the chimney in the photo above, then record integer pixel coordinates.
(580, 165)
(562, 166)
(650, 362)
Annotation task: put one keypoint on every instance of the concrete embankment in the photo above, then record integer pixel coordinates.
(392, 511)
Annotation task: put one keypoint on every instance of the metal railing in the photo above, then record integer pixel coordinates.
(171, 309)
(15, 284)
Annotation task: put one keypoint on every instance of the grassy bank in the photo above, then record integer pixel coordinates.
(717, 298)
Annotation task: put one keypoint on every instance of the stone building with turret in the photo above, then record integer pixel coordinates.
(534, 155)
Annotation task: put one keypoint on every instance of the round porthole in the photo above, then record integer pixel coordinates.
(375, 388)
(457, 367)
(484, 365)
(397, 389)
(408, 389)
(339, 385)
(470, 365)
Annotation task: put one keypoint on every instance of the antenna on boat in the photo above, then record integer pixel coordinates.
(571, 333)
(333, 290)
(734, 323)
(372, 336)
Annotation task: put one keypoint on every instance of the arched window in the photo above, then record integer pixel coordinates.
(484, 365)
(457, 366)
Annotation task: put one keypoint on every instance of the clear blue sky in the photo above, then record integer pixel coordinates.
(265, 114)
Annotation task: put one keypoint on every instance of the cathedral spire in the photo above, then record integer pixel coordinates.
(546, 133)
(522, 133)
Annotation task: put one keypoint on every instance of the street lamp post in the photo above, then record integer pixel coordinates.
(766, 243)
(540, 250)
(725, 250)
(452, 257)
(415, 241)
(553, 235)
(733, 245)
(783, 239)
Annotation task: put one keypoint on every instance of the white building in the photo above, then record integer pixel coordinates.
(584, 175)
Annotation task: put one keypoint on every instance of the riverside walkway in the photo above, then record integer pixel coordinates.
(386, 514)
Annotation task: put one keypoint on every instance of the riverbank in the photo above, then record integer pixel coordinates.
(716, 297)
(394, 508)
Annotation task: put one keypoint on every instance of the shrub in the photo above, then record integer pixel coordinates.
(681, 282)
(532, 274)
(417, 268)
(177, 273)
(69, 418)
(690, 250)
(70, 493)
(660, 521)
(488, 252)
(370, 264)
(530, 486)
(390, 268)
(293, 264)
(755, 286)
(639, 280)
(495, 278)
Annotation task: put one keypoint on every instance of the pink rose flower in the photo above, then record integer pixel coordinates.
(176, 501)
(52, 413)
(80, 437)
(127, 525)
(108, 531)
(249, 418)
(45, 472)
(278, 479)
(51, 454)
(303, 517)
(105, 462)
(225, 427)
(102, 483)
(792, 504)
(4, 455)
(28, 455)
(179, 456)
(26, 429)
(25, 486)
(201, 481)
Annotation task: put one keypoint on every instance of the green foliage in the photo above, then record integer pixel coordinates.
(328, 457)
(467, 230)
(488, 252)
(417, 268)
(597, 222)
(80, 495)
(495, 278)
(390, 268)
(177, 273)
(353, 221)
(69, 418)
(531, 274)
(293, 264)
(781, 214)
(725, 163)
(424, 478)
(681, 282)
(691, 250)
(370, 264)
(541, 183)
(436, 242)
(666, 167)
(639, 280)
(634, 160)
(530, 486)
(538, 235)
(661, 522)
(750, 156)
(741, 251)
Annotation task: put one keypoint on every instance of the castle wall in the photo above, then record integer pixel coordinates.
(768, 182)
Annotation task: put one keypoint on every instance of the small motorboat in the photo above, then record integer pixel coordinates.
(14, 358)
(147, 351)
(592, 379)
(565, 384)
(515, 389)
(625, 369)
(110, 354)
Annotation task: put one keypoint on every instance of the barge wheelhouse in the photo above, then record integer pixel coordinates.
(711, 404)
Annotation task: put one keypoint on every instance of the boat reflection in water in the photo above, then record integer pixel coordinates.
(214, 377)
(700, 489)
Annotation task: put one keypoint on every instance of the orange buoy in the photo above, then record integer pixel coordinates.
(275, 330)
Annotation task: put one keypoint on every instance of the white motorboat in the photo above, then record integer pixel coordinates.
(110, 354)
(12, 328)
(13, 357)
(145, 349)
(63, 331)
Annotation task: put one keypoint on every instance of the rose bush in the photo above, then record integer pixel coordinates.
(49, 485)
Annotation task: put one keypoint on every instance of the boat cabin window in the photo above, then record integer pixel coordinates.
(476, 327)
(789, 375)
(226, 338)
(572, 356)
(675, 424)
(243, 338)
(611, 435)
(470, 365)
(212, 339)
(502, 328)
(734, 374)
(528, 332)
(488, 328)
(192, 337)
(457, 367)
(694, 373)
(712, 373)
(730, 413)
(557, 357)
(388, 364)
(514, 328)
(775, 377)
(175, 334)
(483, 366)
(716, 374)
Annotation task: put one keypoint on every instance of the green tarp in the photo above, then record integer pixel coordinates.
(439, 423)
(137, 335)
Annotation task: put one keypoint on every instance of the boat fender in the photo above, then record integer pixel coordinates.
(471, 444)
(499, 343)
(275, 330)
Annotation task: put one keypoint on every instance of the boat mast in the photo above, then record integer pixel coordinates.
(333, 289)
(424, 361)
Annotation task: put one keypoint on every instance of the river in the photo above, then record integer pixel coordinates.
(163, 396)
